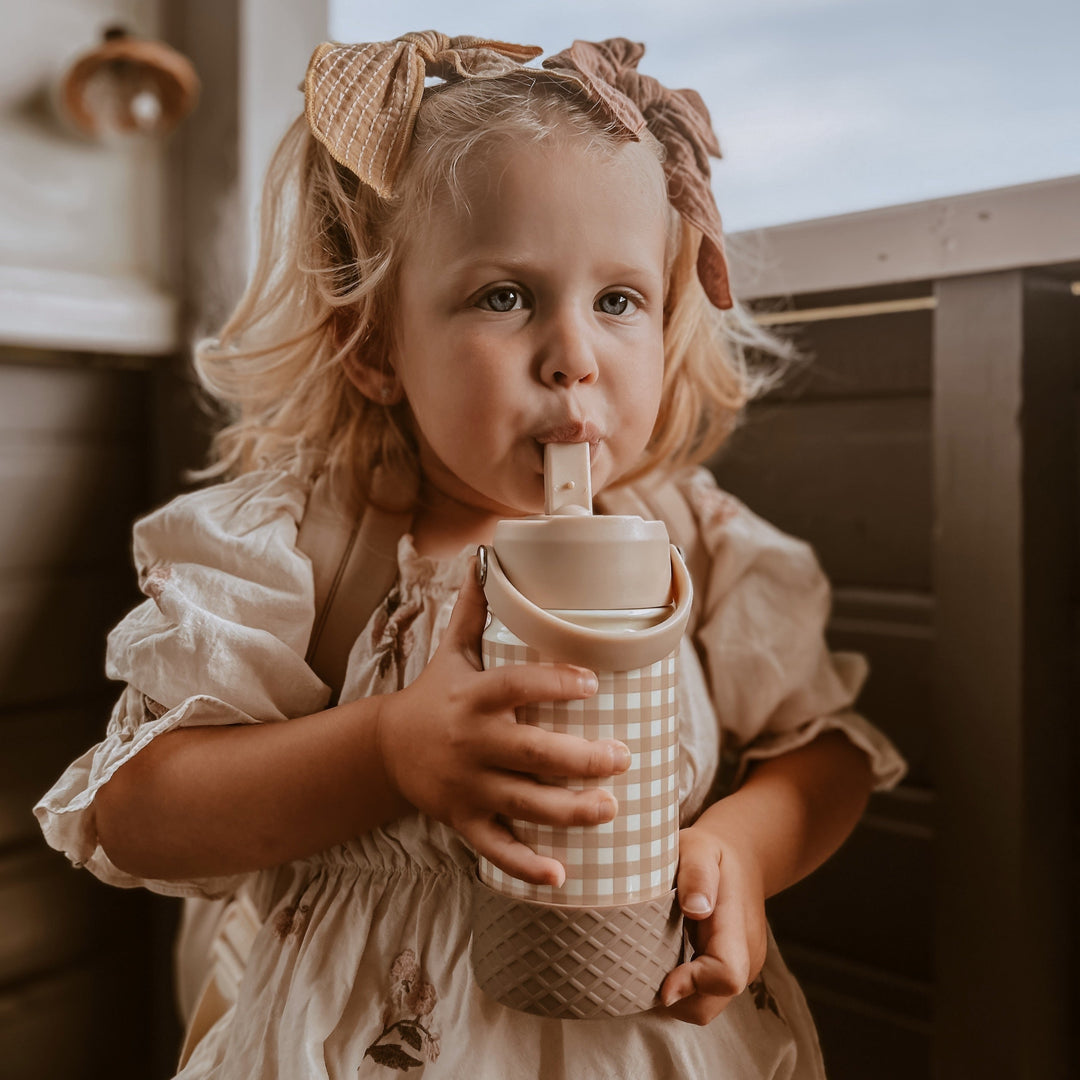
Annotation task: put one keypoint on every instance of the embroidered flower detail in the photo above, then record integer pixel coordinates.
(292, 921)
(411, 999)
(154, 585)
(763, 997)
(393, 635)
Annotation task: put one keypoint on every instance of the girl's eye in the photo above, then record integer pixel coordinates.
(505, 299)
(616, 303)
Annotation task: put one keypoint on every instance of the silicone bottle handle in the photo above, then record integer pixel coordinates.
(601, 650)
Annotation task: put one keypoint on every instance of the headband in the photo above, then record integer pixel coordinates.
(361, 103)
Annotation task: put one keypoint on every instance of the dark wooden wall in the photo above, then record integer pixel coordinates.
(886, 452)
(85, 990)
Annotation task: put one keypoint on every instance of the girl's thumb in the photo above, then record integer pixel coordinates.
(468, 617)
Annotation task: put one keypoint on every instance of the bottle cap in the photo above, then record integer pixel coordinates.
(568, 559)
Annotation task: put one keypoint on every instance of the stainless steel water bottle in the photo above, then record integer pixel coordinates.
(611, 594)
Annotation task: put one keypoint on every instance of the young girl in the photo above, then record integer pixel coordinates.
(451, 277)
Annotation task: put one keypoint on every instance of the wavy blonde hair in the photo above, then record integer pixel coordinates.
(322, 297)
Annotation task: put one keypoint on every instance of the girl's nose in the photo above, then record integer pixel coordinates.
(568, 357)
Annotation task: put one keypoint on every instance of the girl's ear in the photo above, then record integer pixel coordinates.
(378, 383)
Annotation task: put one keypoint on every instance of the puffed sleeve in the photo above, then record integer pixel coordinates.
(761, 637)
(220, 640)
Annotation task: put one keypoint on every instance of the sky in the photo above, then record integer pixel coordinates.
(824, 107)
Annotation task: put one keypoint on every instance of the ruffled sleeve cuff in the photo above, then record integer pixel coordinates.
(66, 813)
(886, 765)
(220, 639)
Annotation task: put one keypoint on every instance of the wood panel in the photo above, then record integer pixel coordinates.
(872, 1024)
(81, 1024)
(70, 505)
(52, 634)
(1005, 495)
(872, 903)
(69, 395)
(877, 356)
(55, 914)
(38, 745)
(895, 632)
(852, 477)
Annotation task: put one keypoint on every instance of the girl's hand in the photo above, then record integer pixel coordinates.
(721, 889)
(450, 745)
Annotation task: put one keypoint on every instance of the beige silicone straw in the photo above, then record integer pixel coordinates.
(567, 478)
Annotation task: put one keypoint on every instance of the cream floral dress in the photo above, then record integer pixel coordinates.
(361, 967)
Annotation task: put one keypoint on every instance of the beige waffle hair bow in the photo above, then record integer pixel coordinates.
(361, 102)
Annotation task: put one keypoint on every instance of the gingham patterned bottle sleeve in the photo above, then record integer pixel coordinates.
(634, 857)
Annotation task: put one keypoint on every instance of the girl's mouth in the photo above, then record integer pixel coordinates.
(572, 431)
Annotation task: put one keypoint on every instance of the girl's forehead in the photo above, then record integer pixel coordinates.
(571, 169)
(547, 204)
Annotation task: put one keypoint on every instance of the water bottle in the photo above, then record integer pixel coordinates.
(612, 594)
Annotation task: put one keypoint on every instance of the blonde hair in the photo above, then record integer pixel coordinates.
(322, 297)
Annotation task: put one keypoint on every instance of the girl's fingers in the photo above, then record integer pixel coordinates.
(548, 804)
(511, 685)
(523, 748)
(719, 971)
(496, 843)
(698, 878)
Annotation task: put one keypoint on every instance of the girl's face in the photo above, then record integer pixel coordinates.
(534, 314)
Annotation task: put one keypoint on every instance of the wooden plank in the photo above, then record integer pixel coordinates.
(69, 400)
(871, 1023)
(86, 1023)
(1026, 225)
(52, 634)
(106, 311)
(1004, 484)
(872, 903)
(70, 504)
(815, 470)
(55, 914)
(880, 356)
(895, 632)
(38, 745)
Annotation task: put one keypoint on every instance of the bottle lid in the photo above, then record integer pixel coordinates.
(568, 559)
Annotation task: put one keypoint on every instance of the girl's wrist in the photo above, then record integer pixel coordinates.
(382, 723)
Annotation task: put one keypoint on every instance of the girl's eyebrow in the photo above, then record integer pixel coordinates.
(513, 264)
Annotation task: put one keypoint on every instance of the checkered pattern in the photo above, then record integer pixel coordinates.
(634, 857)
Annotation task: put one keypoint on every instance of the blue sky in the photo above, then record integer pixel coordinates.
(825, 106)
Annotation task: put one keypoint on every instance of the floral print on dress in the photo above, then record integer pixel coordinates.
(393, 632)
(763, 997)
(292, 922)
(406, 1029)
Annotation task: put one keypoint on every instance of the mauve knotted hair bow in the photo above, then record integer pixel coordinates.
(362, 101)
(678, 120)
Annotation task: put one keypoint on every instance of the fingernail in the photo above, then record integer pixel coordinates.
(696, 904)
(670, 996)
(560, 878)
(589, 682)
(620, 757)
(606, 808)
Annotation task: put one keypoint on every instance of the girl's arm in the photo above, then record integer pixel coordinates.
(210, 801)
(791, 813)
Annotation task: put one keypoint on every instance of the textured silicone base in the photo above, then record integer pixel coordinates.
(574, 962)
